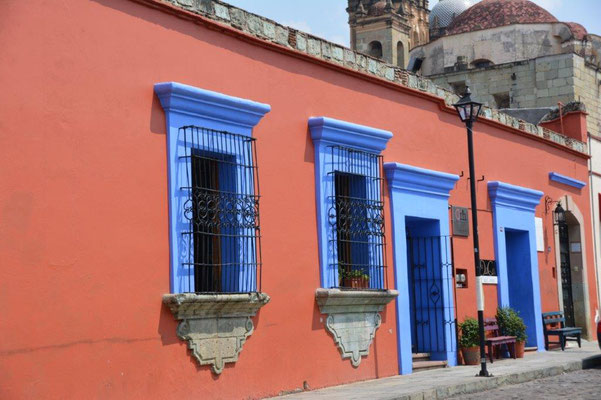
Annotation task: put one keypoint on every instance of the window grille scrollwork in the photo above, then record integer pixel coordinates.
(356, 219)
(220, 209)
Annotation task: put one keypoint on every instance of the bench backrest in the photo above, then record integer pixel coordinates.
(552, 318)
(491, 326)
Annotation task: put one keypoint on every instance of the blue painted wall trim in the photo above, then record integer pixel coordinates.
(187, 105)
(210, 109)
(327, 132)
(344, 133)
(515, 243)
(417, 193)
(516, 197)
(566, 180)
(420, 181)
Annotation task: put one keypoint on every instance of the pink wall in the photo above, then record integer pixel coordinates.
(83, 205)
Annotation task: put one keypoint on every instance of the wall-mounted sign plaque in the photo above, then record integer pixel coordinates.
(459, 218)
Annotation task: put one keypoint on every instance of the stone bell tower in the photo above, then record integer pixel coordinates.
(388, 29)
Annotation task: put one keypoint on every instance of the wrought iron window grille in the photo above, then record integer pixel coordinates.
(356, 217)
(220, 224)
(488, 268)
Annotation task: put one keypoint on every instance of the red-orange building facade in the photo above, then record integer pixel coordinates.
(85, 222)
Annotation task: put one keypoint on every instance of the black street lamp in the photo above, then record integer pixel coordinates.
(468, 111)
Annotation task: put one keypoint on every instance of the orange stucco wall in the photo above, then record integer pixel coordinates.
(83, 206)
(572, 124)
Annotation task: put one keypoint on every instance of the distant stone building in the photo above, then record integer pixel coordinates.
(388, 29)
(513, 54)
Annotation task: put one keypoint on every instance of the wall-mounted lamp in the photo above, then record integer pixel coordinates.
(559, 215)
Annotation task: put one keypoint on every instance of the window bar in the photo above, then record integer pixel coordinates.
(222, 209)
(355, 214)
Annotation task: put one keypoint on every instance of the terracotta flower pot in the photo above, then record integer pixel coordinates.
(356, 283)
(471, 355)
(519, 349)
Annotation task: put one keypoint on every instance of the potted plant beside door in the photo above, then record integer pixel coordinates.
(469, 341)
(511, 324)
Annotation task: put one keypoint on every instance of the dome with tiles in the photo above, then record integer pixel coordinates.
(490, 14)
(445, 11)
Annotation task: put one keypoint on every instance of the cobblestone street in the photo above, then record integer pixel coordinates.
(546, 375)
(575, 385)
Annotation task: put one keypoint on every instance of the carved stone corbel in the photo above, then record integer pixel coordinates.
(215, 325)
(353, 318)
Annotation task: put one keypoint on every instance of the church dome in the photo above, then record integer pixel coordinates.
(446, 10)
(490, 14)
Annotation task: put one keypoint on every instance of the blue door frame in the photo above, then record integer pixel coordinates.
(516, 254)
(419, 199)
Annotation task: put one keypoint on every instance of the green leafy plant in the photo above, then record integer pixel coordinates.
(469, 333)
(353, 273)
(356, 273)
(511, 324)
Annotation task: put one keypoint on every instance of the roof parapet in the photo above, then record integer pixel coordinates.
(281, 35)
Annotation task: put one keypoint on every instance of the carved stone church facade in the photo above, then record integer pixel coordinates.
(388, 29)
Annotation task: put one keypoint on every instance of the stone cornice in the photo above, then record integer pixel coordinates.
(504, 194)
(336, 300)
(353, 318)
(347, 134)
(419, 180)
(190, 305)
(215, 326)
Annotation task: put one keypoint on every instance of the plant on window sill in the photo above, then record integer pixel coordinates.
(354, 279)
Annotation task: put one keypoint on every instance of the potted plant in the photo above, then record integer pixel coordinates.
(511, 324)
(355, 279)
(469, 341)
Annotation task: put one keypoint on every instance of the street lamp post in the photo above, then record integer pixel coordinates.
(468, 111)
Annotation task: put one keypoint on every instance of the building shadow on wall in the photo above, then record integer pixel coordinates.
(157, 117)
(167, 327)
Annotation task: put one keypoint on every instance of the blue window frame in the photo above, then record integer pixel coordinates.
(348, 176)
(213, 190)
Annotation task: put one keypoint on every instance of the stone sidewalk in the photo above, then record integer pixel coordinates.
(444, 383)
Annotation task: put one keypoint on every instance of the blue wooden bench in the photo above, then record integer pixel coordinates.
(557, 328)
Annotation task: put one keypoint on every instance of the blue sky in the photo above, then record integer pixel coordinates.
(328, 18)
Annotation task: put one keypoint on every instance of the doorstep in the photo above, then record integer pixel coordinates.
(443, 383)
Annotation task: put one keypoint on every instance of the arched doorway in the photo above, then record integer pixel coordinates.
(375, 49)
(400, 55)
(572, 272)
